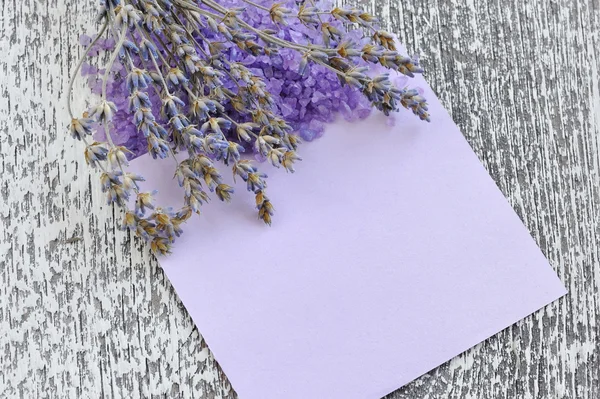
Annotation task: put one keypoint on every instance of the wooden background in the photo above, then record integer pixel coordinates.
(85, 312)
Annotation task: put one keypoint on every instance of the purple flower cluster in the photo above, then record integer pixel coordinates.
(215, 78)
(125, 132)
(306, 101)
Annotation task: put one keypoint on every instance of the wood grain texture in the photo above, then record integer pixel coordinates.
(85, 312)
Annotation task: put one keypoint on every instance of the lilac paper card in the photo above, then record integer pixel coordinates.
(391, 251)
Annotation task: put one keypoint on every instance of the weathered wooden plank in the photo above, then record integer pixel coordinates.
(85, 311)
(521, 80)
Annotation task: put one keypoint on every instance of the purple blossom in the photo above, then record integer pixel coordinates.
(307, 102)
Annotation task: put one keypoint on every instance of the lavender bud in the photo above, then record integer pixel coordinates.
(81, 127)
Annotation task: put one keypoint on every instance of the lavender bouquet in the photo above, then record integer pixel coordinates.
(214, 79)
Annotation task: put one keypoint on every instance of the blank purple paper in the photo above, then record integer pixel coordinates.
(391, 251)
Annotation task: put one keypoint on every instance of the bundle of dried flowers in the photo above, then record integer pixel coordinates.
(213, 79)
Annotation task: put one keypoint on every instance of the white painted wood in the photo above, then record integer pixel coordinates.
(86, 312)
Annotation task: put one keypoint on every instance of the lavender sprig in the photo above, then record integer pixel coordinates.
(213, 107)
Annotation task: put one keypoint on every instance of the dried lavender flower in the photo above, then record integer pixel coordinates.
(216, 79)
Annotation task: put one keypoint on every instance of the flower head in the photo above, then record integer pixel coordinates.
(81, 127)
(104, 111)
